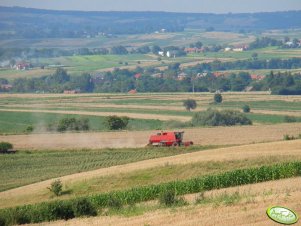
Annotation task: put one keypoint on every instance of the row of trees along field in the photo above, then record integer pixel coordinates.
(125, 80)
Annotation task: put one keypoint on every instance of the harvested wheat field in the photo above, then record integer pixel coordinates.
(249, 210)
(283, 148)
(200, 136)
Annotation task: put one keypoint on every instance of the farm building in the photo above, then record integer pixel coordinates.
(75, 91)
(257, 77)
(193, 50)
(6, 87)
(22, 66)
(132, 91)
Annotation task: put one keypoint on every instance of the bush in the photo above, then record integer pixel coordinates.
(114, 202)
(220, 118)
(288, 137)
(289, 119)
(83, 207)
(246, 108)
(4, 146)
(29, 129)
(71, 124)
(189, 104)
(54, 211)
(115, 123)
(169, 198)
(218, 98)
(2, 221)
(56, 187)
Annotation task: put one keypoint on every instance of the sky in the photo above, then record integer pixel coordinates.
(198, 6)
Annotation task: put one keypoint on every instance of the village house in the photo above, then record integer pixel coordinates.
(22, 66)
(132, 91)
(201, 75)
(137, 76)
(193, 50)
(6, 87)
(161, 53)
(238, 48)
(181, 76)
(157, 75)
(257, 77)
(74, 91)
(218, 74)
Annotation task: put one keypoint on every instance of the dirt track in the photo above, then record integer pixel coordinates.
(200, 136)
(291, 148)
(247, 212)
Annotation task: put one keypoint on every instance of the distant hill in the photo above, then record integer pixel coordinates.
(17, 22)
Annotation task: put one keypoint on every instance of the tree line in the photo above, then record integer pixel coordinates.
(121, 81)
(217, 65)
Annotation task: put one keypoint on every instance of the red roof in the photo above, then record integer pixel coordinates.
(218, 74)
(133, 91)
(257, 77)
(137, 75)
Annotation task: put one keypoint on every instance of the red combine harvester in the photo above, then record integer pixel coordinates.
(167, 139)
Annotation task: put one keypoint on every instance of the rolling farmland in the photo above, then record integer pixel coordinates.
(82, 92)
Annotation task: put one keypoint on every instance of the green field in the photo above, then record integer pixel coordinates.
(274, 105)
(27, 167)
(18, 122)
(155, 104)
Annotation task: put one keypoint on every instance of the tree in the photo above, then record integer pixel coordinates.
(71, 124)
(156, 49)
(198, 44)
(4, 146)
(119, 50)
(218, 98)
(115, 123)
(219, 118)
(246, 109)
(189, 104)
(174, 66)
(143, 49)
(56, 187)
(60, 76)
(254, 56)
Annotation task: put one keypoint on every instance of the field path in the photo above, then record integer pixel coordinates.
(200, 136)
(282, 148)
(285, 192)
